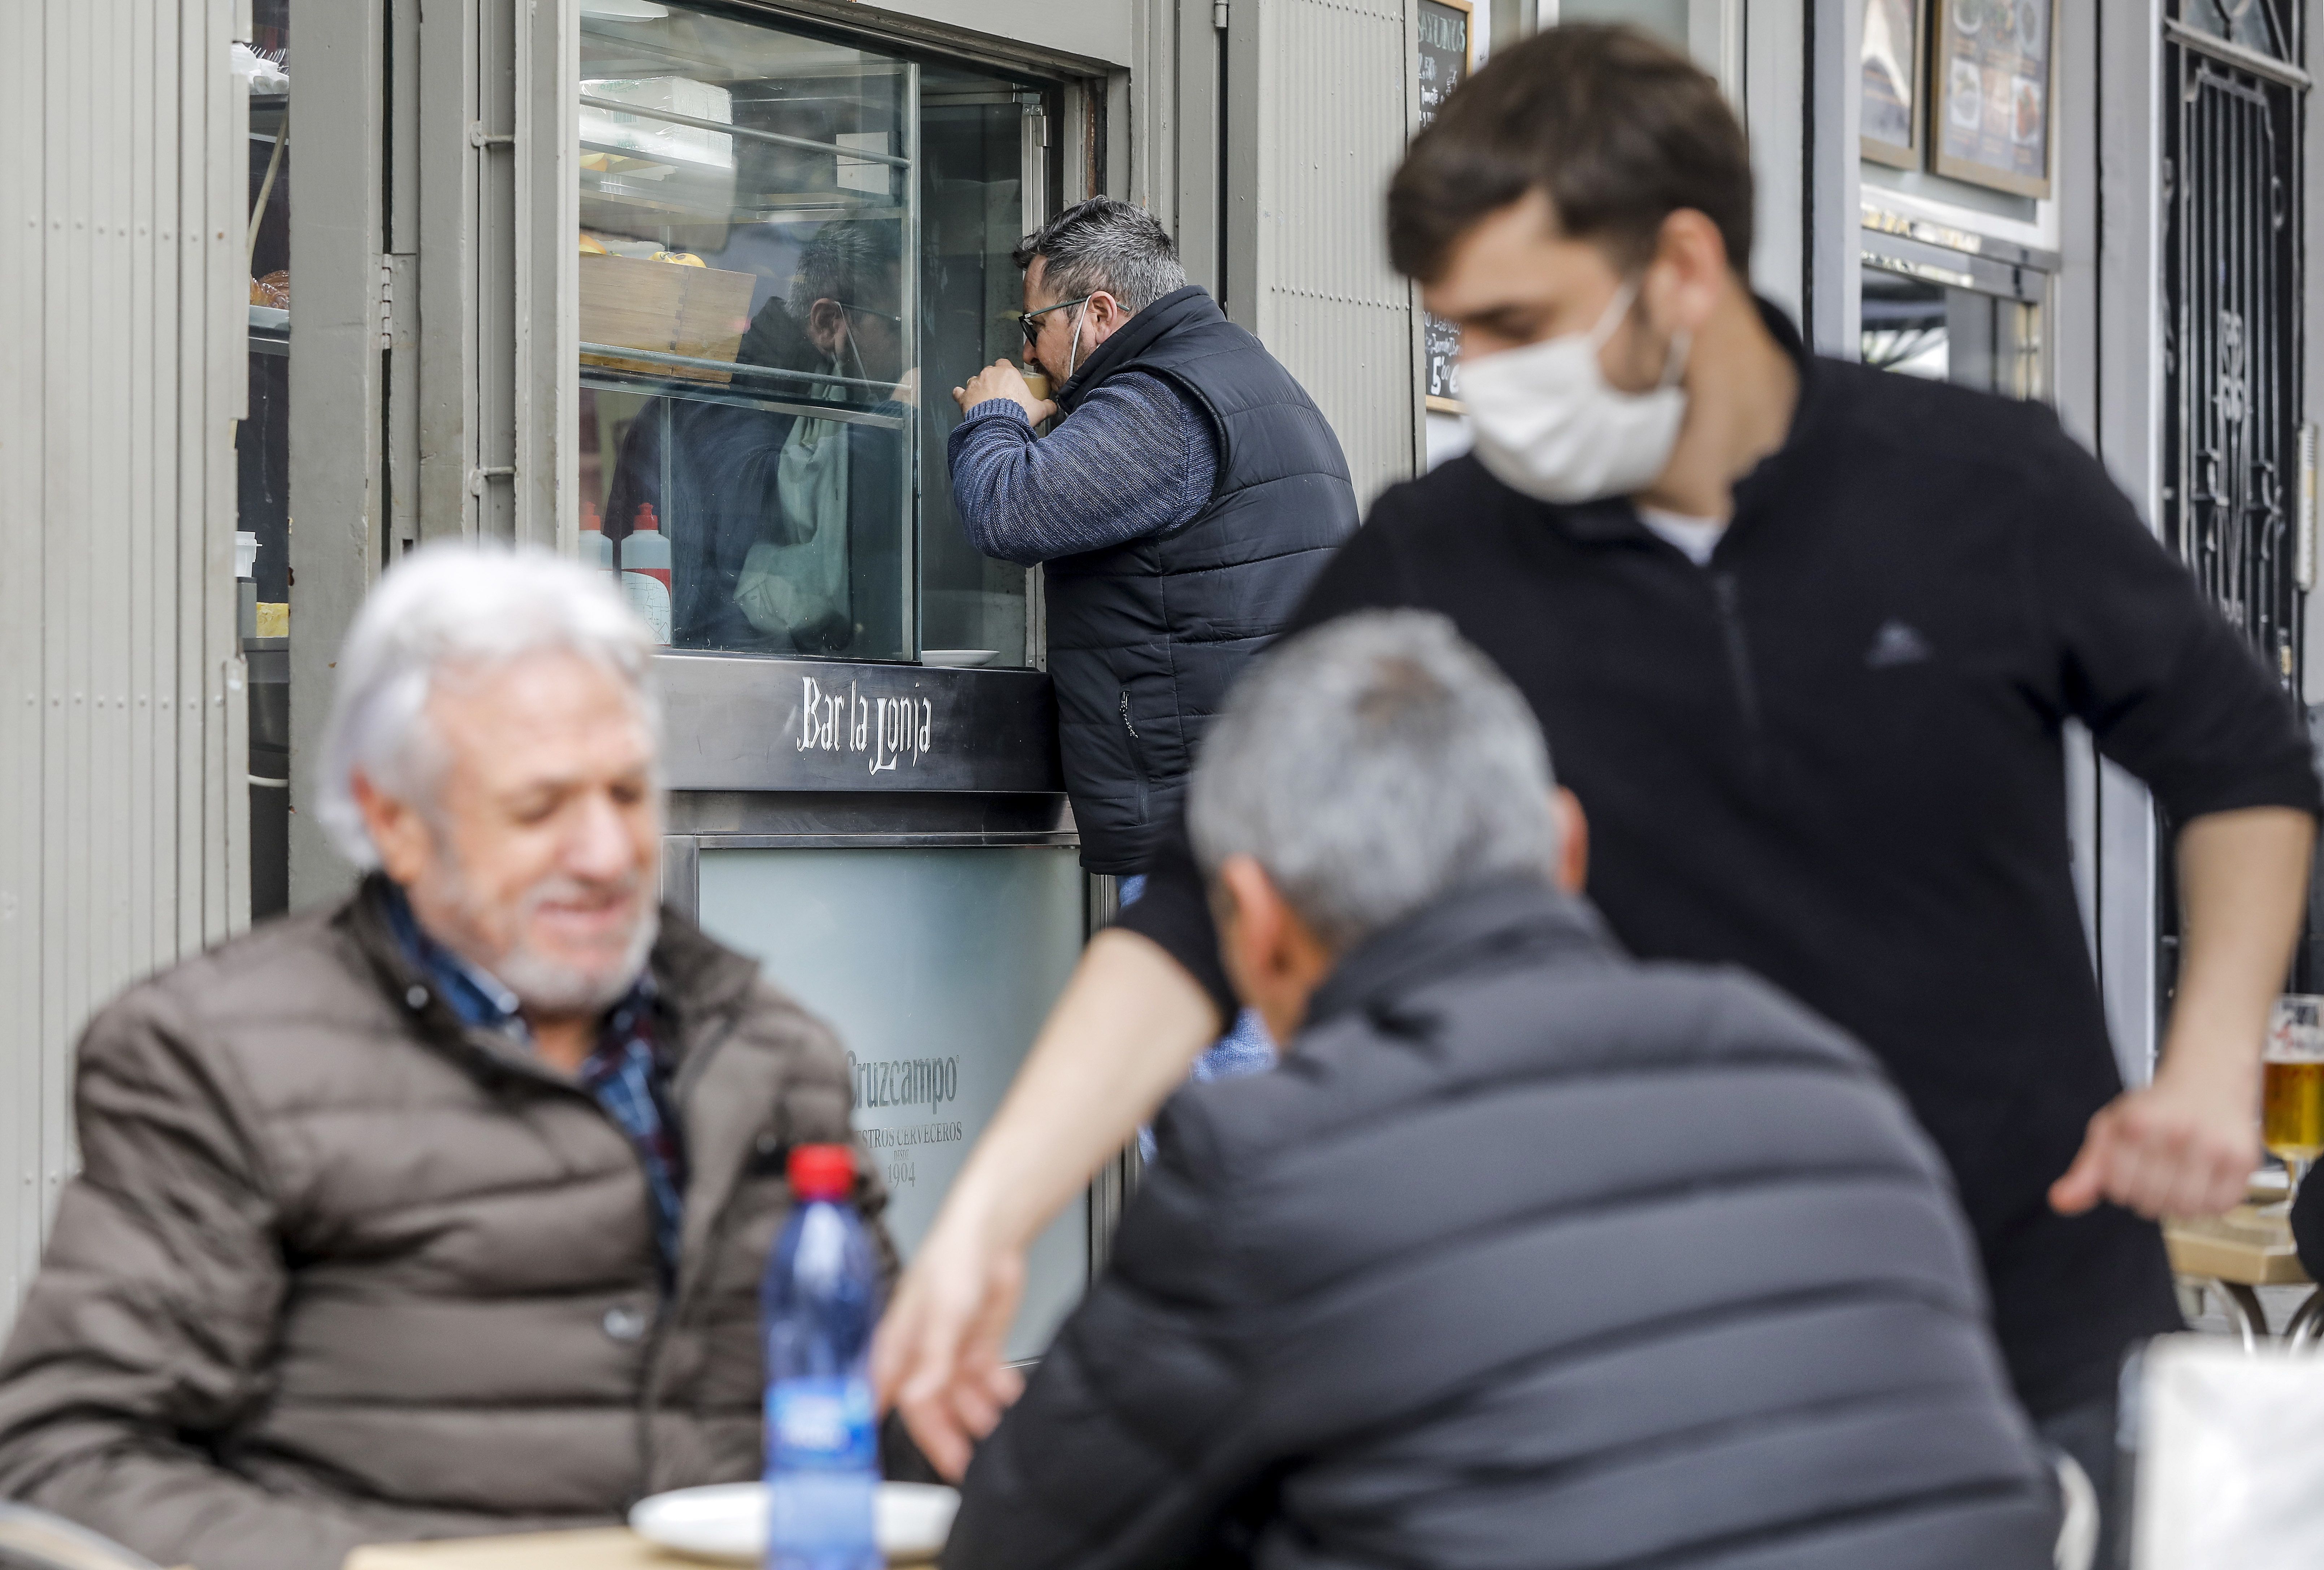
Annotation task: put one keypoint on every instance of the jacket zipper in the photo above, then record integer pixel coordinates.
(681, 1291)
(1137, 753)
(1725, 593)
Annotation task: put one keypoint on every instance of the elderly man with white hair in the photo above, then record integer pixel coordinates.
(440, 1212)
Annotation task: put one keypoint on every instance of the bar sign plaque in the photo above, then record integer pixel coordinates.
(742, 723)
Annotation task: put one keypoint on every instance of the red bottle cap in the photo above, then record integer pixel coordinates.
(590, 523)
(645, 521)
(822, 1171)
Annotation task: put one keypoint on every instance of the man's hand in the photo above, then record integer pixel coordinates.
(936, 1357)
(1120, 1037)
(1001, 379)
(2173, 1147)
(2186, 1144)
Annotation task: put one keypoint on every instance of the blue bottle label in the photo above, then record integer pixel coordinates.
(823, 1423)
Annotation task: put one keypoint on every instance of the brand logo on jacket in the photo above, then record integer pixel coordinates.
(1897, 643)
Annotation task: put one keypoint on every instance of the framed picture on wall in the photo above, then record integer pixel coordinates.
(1448, 53)
(1891, 127)
(1991, 80)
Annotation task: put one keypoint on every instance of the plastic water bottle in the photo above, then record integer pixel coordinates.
(817, 1307)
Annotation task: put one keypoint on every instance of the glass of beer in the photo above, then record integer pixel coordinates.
(2291, 1093)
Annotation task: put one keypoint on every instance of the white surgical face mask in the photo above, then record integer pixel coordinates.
(1547, 422)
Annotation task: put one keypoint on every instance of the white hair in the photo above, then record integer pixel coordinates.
(1372, 766)
(453, 606)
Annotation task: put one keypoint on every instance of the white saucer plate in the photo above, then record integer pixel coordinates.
(958, 657)
(727, 1522)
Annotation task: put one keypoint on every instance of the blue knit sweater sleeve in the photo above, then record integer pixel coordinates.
(1135, 459)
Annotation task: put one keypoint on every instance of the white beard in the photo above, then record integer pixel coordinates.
(553, 986)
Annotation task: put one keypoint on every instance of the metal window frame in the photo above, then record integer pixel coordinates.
(438, 363)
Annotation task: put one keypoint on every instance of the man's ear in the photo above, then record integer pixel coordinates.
(1106, 312)
(826, 324)
(1253, 932)
(399, 833)
(1690, 271)
(1572, 868)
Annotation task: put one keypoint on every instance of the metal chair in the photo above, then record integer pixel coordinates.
(32, 1539)
(2078, 1532)
(2304, 1331)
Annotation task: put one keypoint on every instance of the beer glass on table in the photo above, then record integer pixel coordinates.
(2292, 1095)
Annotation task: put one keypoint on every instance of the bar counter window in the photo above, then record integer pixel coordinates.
(786, 239)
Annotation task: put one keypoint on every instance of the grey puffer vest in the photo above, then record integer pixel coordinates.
(1146, 638)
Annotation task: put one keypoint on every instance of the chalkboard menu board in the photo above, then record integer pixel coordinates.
(1443, 53)
(1992, 81)
(1444, 64)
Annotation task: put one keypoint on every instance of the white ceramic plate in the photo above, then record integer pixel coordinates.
(728, 1522)
(957, 656)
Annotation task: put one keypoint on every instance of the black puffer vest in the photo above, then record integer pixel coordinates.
(1146, 638)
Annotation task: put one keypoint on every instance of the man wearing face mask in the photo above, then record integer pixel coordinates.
(762, 508)
(1183, 501)
(1802, 636)
(793, 587)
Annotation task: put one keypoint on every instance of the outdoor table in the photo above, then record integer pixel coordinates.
(599, 1548)
(2235, 1254)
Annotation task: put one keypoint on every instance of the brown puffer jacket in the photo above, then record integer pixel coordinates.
(338, 1271)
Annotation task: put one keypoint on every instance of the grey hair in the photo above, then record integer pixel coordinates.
(1373, 766)
(453, 606)
(1106, 245)
(853, 262)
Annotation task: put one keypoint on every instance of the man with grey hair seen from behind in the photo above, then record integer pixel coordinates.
(1182, 505)
(1529, 1253)
(440, 1212)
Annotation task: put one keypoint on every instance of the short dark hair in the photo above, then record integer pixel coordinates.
(1616, 128)
(1107, 245)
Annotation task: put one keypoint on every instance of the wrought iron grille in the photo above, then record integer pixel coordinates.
(2232, 253)
(2232, 258)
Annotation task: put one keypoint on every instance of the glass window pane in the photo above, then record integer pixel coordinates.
(1904, 324)
(982, 145)
(778, 292)
(2250, 23)
(1920, 328)
(261, 442)
(1667, 18)
(935, 967)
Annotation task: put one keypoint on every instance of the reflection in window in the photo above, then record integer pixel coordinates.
(2250, 23)
(777, 291)
(1918, 326)
(1668, 19)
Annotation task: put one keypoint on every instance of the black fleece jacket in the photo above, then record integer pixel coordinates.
(1833, 755)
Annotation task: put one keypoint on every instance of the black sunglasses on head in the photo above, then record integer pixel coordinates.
(1030, 319)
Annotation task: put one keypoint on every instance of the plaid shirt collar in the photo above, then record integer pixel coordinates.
(481, 999)
(625, 1073)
